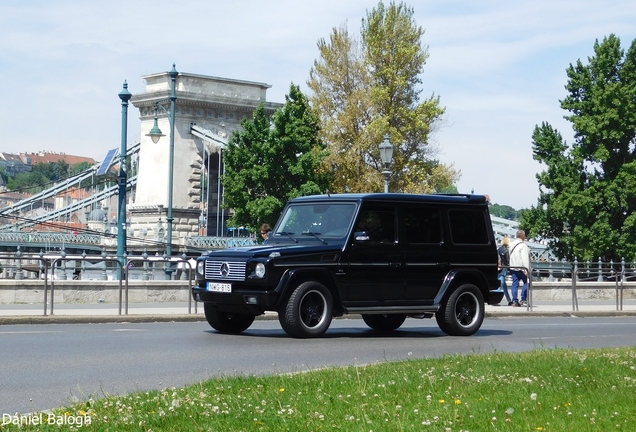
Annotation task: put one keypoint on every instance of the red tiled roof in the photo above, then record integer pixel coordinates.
(43, 157)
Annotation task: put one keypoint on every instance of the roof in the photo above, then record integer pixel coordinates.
(398, 197)
(46, 157)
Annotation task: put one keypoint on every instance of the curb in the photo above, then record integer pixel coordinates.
(126, 319)
(570, 314)
(97, 319)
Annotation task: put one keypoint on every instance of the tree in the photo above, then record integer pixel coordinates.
(61, 170)
(270, 162)
(36, 180)
(364, 89)
(588, 191)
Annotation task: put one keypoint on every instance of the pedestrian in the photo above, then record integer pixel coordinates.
(504, 262)
(519, 267)
(265, 230)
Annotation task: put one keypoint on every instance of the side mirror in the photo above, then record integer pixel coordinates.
(361, 236)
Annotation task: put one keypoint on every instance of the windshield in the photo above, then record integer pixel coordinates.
(317, 219)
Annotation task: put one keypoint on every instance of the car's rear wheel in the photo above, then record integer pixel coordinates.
(387, 322)
(462, 312)
(226, 322)
(308, 311)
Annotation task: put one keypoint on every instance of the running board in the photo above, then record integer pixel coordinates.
(382, 310)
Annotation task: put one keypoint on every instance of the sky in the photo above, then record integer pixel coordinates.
(499, 68)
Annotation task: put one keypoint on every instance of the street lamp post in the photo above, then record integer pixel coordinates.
(386, 155)
(125, 96)
(155, 134)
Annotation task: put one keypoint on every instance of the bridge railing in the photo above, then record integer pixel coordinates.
(587, 275)
(49, 267)
(58, 240)
(46, 265)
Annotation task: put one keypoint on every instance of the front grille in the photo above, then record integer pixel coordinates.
(225, 270)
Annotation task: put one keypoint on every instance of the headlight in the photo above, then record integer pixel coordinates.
(260, 270)
(201, 267)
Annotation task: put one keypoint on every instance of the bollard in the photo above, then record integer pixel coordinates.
(83, 270)
(185, 268)
(623, 277)
(18, 270)
(63, 275)
(104, 274)
(145, 275)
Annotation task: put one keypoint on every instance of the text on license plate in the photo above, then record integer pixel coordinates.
(219, 287)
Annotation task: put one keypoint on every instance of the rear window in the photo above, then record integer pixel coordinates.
(468, 227)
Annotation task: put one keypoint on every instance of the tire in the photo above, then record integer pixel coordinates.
(308, 311)
(387, 322)
(225, 322)
(462, 312)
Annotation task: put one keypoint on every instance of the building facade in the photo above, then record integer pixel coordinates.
(216, 105)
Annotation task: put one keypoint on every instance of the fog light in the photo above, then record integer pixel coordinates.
(251, 300)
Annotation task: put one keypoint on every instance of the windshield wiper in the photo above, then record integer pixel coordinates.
(315, 235)
(288, 234)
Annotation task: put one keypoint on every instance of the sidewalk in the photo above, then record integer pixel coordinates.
(167, 312)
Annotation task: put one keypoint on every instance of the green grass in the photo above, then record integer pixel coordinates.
(542, 390)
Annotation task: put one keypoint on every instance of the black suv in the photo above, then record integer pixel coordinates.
(384, 256)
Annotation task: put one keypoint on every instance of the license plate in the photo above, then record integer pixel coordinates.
(219, 287)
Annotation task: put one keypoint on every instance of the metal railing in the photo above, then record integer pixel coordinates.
(49, 264)
(586, 275)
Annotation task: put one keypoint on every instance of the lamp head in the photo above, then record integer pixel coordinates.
(386, 151)
(155, 133)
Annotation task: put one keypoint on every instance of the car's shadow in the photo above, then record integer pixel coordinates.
(365, 333)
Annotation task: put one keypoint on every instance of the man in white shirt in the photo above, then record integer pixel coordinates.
(519, 267)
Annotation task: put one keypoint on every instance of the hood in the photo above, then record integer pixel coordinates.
(264, 251)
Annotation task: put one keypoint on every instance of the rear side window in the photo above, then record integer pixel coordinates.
(468, 227)
(422, 225)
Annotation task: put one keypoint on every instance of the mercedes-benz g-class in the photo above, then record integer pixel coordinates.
(384, 256)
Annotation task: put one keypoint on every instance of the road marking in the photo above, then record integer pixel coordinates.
(129, 330)
(31, 332)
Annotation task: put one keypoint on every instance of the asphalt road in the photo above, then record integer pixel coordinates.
(49, 365)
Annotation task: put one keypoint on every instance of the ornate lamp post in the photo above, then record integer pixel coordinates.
(155, 134)
(386, 155)
(125, 96)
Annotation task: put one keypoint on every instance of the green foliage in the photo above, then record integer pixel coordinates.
(268, 163)
(588, 190)
(368, 88)
(3, 175)
(504, 211)
(43, 175)
(35, 180)
(81, 167)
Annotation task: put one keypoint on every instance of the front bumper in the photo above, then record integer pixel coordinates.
(238, 301)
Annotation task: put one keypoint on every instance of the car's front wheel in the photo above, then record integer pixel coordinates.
(308, 311)
(462, 312)
(386, 322)
(226, 322)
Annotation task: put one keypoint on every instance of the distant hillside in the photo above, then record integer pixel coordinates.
(504, 211)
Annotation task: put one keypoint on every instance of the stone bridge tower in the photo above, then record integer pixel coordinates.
(215, 104)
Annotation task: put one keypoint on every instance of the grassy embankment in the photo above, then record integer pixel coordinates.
(543, 390)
